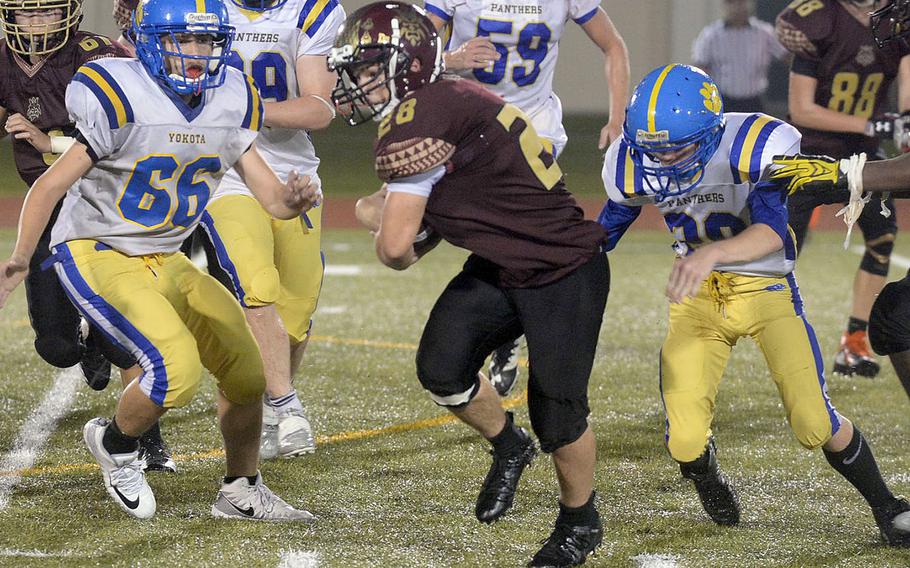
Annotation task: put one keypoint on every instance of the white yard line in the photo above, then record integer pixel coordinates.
(8, 552)
(343, 270)
(897, 260)
(331, 310)
(37, 428)
(299, 559)
(655, 561)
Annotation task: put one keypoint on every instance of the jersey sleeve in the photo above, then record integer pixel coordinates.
(623, 181)
(760, 137)
(583, 10)
(318, 22)
(101, 111)
(803, 28)
(413, 139)
(94, 47)
(616, 218)
(768, 200)
(442, 9)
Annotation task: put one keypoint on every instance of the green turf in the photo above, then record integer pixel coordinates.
(347, 163)
(406, 498)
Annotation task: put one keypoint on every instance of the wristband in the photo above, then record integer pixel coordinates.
(60, 144)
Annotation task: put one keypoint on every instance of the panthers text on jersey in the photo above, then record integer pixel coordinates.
(732, 195)
(832, 45)
(37, 93)
(266, 47)
(157, 160)
(526, 34)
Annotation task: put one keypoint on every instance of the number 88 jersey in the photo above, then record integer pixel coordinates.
(833, 43)
(266, 47)
(526, 34)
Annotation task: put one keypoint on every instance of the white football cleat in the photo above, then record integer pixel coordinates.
(295, 434)
(241, 499)
(124, 478)
(268, 443)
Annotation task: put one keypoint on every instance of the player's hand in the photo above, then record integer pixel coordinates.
(22, 129)
(476, 53)
(809, 173)
(301, 194)
(368, 210)
(688, 274)
(12, 272)
(609, 133)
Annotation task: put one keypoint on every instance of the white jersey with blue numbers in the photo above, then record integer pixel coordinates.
(266, 47)
(733, 194)
(157, 161)
(526, 34)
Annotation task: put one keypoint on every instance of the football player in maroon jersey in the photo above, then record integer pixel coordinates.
(42, 50)
(839, 83)
(461, 162)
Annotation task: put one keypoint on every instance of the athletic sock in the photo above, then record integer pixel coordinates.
(232, 478)
(577, 516)
(116, 442)
(854, 325)
(508, 440)
(286, 403)
(857, 464)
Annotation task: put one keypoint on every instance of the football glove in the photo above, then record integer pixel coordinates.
(810, 173)
(891, 126)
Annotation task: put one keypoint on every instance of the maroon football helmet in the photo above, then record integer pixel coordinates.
(891, 22)
(397, 42)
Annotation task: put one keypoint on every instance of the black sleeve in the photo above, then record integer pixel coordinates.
(80, 138)
(804, 66)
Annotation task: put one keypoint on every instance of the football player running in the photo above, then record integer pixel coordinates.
(274, 267)
(152, 138)
(511, 49)
(707, 173)
(472, 168)
(839, 84)
(42, 51)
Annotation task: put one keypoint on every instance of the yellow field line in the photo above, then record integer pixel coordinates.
(340, 437)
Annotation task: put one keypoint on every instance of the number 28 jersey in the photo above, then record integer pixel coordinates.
(732, 195)
(526, 34)
(156, 159)
(266, 47)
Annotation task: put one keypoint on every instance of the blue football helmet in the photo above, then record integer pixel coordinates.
(260, 5)
(154, 20)
(673, 107)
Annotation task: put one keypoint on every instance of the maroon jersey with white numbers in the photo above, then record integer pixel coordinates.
(37, 92)
(835, 46)
(502, 196)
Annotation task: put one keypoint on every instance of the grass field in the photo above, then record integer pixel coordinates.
(394, 480)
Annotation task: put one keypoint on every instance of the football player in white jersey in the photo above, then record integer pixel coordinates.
(708, 174)
(154, 136)
(274, 267)
(511, 48)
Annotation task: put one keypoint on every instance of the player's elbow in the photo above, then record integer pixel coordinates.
(398, 255)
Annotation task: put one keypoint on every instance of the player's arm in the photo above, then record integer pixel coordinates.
(476, 53)
(368, 210)
(804, 111)
(312, 110)
(400, 221)
(903, 85)
(616, 69)
(3, 115)
(36, 212)
(281, 200)
(756, 241)
(821, 173)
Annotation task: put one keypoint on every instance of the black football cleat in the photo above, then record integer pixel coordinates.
(714, 489)
(153, 451)
(504, 368)
(893, 522)
(95, 368)
(499, 487)
(569, 545)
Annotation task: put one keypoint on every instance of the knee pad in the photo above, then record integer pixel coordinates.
(557, 423)
(877, 257)
(889, 322)
(812, 428)
(58, 351)
(263, 288)
(447, 385)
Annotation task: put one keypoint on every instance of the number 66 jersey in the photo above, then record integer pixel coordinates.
(732, 195)
(156, 159)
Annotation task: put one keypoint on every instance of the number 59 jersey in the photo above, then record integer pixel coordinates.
(526, 34)
(156, 159)
(266, 47)
(732, 195)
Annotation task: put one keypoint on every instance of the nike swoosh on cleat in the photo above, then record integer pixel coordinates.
(132, 504)
(248, 512)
